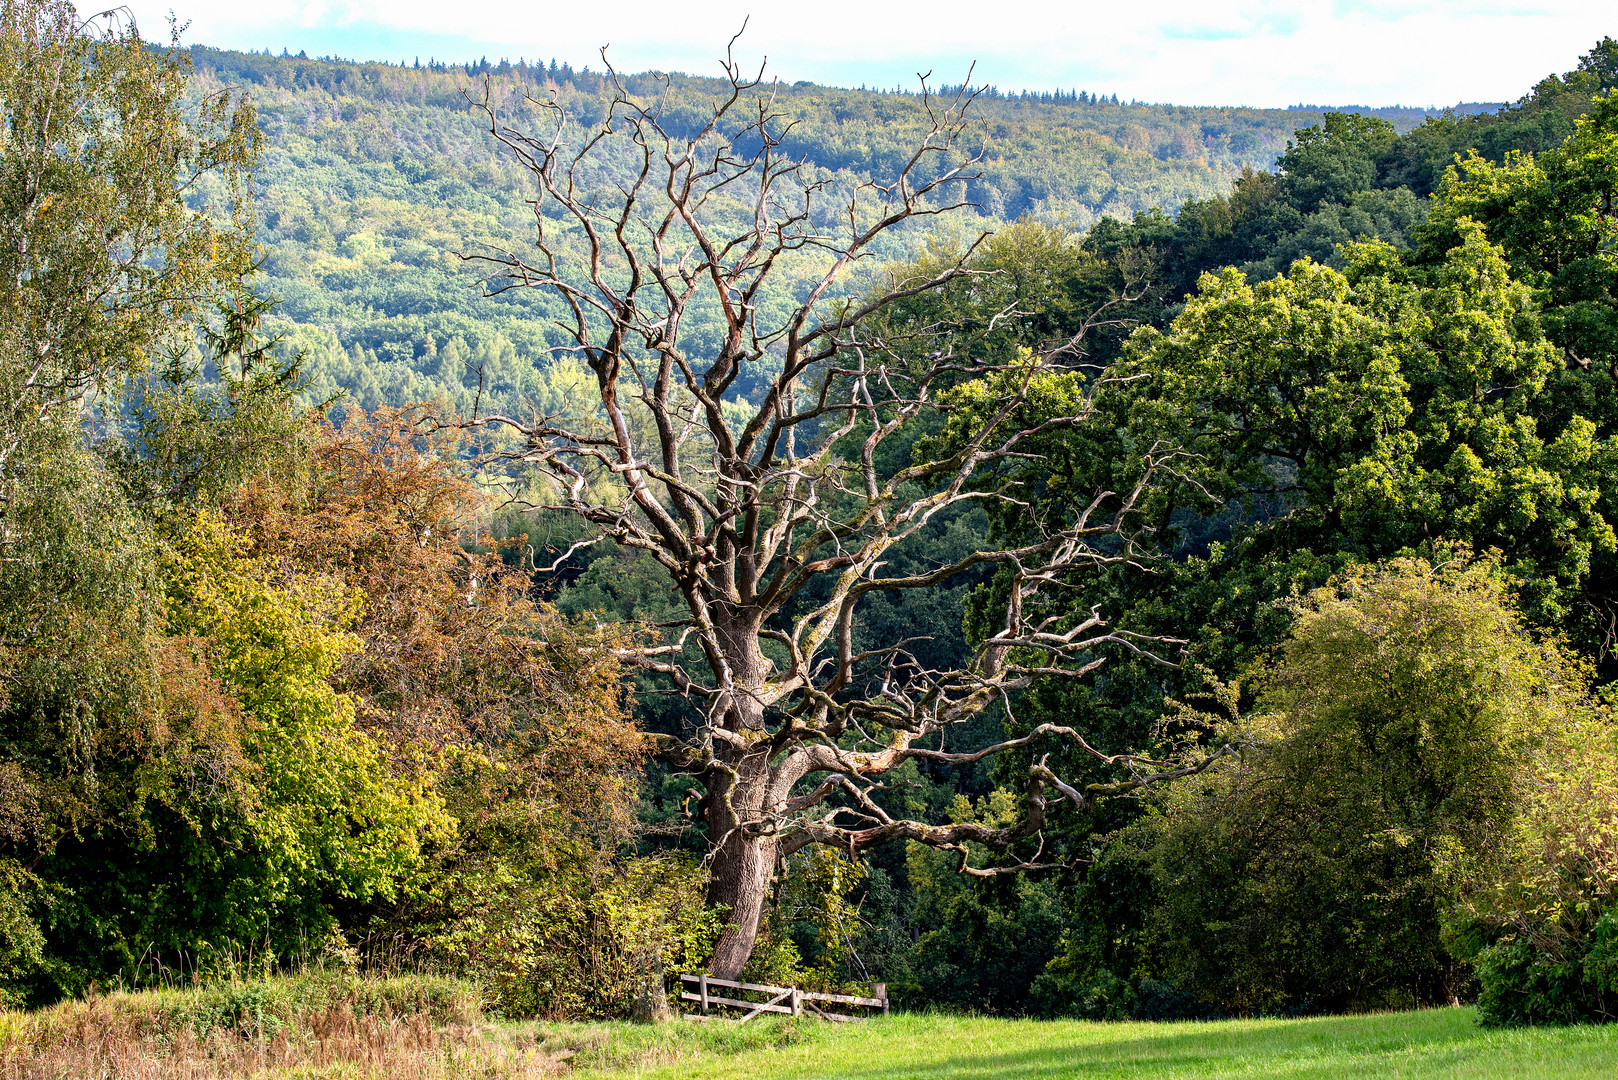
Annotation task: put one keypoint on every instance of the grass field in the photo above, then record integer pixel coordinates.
(1409, 1046)
(422, 1028)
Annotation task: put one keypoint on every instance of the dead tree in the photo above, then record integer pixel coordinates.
(798, 727)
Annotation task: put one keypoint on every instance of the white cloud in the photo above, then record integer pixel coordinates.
(1257, 52)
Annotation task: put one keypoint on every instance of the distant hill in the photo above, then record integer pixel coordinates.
(375, 176)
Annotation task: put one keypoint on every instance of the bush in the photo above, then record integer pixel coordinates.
(1523, 982)
(1391, 727)
(575, 939)
(1538, 911)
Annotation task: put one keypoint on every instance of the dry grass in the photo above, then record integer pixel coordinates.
(270, 1030)
(320, 1024)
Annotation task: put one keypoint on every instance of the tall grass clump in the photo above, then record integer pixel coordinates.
(413, 1027)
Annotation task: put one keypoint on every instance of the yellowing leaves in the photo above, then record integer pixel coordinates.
(333, 816)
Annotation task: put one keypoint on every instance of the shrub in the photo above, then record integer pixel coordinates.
(1537, 910)
(1390, 728)
(575, 940)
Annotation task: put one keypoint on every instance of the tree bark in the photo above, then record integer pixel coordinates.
(741, 861)
(740, 869)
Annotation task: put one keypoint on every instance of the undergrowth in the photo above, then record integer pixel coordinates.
(412, 1027)
(320, 1024)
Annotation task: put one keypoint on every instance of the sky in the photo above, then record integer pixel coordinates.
(1238, 52)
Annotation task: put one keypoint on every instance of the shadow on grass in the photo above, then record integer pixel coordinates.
(1437, 1042)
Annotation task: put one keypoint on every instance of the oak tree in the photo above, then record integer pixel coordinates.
(773, 515)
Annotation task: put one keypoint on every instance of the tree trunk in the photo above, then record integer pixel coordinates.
(740, 866)
(651, 999)
(740, 862)
(740, 880)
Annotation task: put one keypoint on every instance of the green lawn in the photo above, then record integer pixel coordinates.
(1434, 1043)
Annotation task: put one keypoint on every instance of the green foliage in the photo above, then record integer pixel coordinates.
(811, 912)
(22, 946)
(106, 265)
(1334, 161)
(501, 714)
(1388, 730)
(1551, 216)
(197, 426)
(1535, 911)
(109, 266)
(1344, 180)
(989, 950)
(1520, 982)
(575, 939)
(335, 816)
(982, 944)
(1391, 405)
(1335, 416)
(1032, 282)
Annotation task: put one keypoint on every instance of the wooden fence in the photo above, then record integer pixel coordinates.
(785, 999)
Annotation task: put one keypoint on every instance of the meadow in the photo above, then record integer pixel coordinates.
(418, 1028)
(1434, 1043)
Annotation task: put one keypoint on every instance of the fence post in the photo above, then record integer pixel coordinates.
(880, 990)
(797, 1002)
(704, 992)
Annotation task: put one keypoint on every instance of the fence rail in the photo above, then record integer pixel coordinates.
(789, 1000)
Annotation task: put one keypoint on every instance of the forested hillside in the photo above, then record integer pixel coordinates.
(375, 178)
